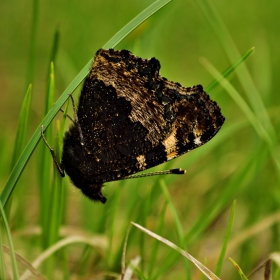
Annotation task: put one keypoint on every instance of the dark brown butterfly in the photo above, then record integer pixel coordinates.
(129, 119)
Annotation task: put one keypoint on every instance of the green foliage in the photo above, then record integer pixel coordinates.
(63, 234)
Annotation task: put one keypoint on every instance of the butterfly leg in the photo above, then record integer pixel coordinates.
(67, 115)
(59, 166)
(76, 120)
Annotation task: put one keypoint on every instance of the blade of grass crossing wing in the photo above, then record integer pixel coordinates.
(12, 180)
(10, 242)
(223, 251)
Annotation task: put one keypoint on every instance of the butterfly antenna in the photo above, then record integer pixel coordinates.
(177, 171)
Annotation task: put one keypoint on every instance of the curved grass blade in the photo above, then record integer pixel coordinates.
(223, 252)
(12, 180)
(10, 242)
(93, 241)
(178, 224)
(155, 248)
(2, 259)
(34, 33)
(25, 263)
(230, 69)
(242, 275)
(45, 163)
(21, 134)
(208, 273)
(253, 94)
(128, 28)
(22, 126)
(251, 116)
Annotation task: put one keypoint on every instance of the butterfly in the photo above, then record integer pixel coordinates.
(130, 119)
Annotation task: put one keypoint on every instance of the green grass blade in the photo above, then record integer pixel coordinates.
(128, 28)
(34, 31)
(45, 159)
(45, 164)
(54, 46)
(21, 134)
(251, 116)
(146, 208)
(212, 15)
(22, 126)
(210, 212)
(230, 70)
(14, 176)
(56, 207)
(223, 251)
(10, 242)
(154, 250)
(113, 206)
(242, 275)
(178, 225)
(54, 219)
(2, 259)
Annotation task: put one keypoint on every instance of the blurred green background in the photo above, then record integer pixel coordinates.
(236, 164)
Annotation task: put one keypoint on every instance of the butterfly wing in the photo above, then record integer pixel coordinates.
(133, 119)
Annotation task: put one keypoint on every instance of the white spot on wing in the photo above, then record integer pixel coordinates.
(197, 141)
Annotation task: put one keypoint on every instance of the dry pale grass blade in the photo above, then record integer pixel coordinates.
(25, 263)
(129, 271)
(267, 265)
(94, 242)
(275, 257)
(208, 273)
